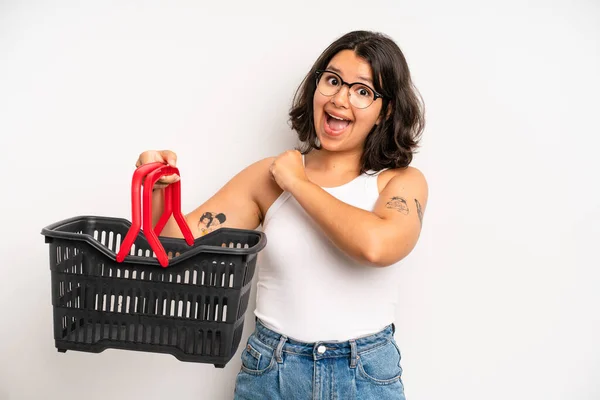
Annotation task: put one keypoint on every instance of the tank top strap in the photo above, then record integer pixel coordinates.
(378, 172)
(372, 179)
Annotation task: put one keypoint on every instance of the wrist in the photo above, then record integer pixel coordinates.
(298, 186)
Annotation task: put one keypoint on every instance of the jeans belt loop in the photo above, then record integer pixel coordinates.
(279, 350)
(353, 356)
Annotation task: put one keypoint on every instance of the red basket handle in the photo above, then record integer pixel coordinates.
(172, 205)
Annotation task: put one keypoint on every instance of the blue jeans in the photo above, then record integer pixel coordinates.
(275, 367)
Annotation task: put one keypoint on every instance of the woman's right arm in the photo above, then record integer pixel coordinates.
(235, 205)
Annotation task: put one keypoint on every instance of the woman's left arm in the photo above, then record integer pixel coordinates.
(381, 237)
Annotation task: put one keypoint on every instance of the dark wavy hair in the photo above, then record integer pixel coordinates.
(390, 144)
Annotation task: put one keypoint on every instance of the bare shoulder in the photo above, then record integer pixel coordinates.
(399, 179)
(255, 174)
(258, 167)
(258, 173)
(401, 174)
(255, 178)
(265, 190)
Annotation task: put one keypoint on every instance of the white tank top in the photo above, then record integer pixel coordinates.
(308, 289)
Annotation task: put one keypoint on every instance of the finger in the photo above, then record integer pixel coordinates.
(169, 157)
(149, 157)
(169, 178)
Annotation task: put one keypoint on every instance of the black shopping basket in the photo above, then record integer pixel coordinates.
(116, 286)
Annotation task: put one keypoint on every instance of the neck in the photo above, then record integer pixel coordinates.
(334, 162)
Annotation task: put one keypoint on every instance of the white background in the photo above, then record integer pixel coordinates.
(500, 298)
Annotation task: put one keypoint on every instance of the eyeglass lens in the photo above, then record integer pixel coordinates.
(361, 96)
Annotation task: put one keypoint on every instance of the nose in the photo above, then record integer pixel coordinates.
(342, 98)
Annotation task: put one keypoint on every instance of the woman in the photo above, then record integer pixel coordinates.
(339, 216)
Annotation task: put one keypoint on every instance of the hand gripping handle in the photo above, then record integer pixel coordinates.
(172, 205)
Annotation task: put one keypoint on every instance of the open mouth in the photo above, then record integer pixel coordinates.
(335, 125)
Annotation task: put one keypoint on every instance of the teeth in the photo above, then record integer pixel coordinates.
(338, 118)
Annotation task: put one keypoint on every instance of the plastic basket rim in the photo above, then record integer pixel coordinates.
(50, 231)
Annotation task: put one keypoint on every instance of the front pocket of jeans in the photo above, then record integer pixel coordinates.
(381, 365)
(256, 360)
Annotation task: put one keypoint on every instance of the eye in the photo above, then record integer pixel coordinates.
(331, 79)
(363, 91)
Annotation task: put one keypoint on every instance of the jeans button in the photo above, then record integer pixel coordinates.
(321, 349)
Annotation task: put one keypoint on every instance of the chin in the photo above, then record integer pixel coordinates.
(330, 145)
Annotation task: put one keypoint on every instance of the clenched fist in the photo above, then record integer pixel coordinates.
(163, 156)
(287, 169)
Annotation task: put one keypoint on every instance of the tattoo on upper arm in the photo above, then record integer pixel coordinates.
(210, 221)
(398, 204)
(419, 211)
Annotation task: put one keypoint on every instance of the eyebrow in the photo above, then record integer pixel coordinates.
(362, 78)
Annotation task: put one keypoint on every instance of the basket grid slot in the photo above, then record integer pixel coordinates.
(170, 254)
(216, 274)
(70, 293)
(189, 340)
(202, 308)
(221, 277)
(75, 294)
(213, 273)
(236, 245)
(113, 240)
(68, 253)
(109, 239)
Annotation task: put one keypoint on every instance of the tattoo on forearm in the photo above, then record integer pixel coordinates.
(398, 204)
(210, 221)
(419, 211)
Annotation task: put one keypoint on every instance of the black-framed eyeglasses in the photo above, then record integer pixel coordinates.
(361, 96)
